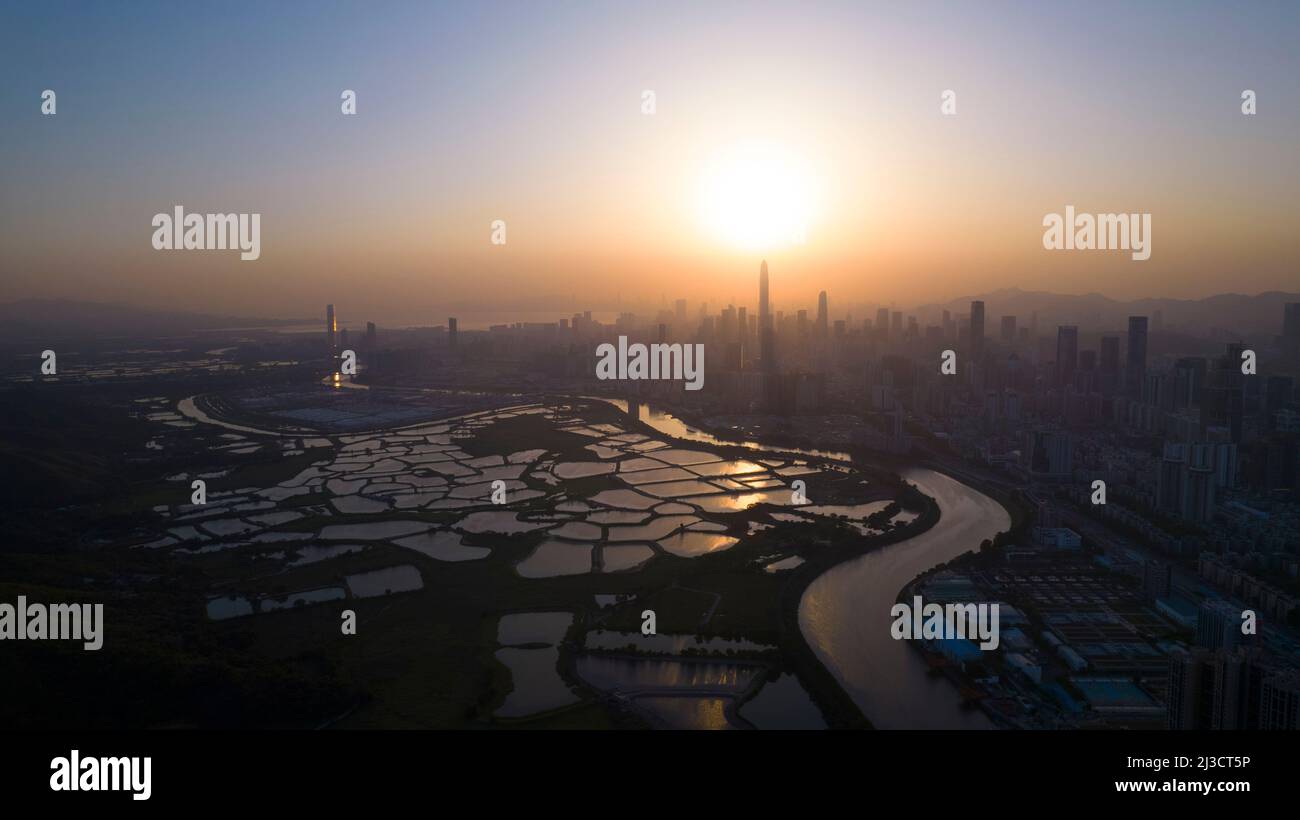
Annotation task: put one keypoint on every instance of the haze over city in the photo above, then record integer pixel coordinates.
(516, 368)
(766, 117)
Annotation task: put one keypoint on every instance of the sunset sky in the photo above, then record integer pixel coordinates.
(532, 113)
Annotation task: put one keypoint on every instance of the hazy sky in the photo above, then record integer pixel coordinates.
(532, 113)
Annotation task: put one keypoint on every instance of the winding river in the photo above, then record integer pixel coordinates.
(844, 613)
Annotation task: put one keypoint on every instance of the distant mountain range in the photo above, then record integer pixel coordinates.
(1213, 315)
(37, 319)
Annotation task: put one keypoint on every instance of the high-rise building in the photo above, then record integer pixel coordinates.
(331, 328)
(1067, 353)
(977, 330)
(1218, 625)
(1278, 391)
(1217, 689)
(1186, 482)
(1198, 492)
(453, 333)
(1191, 683)
(372, 334)
(882, 322)
(1189, 381)
(1136, 363)
(1171, 478)
(1108, 373)
(823, 317)
(1279, 701)
(1048, 454)
(766, 340)
(742, 327)
(1223, 397)
(1291, 327)
(1157, 579)
(1008, 334)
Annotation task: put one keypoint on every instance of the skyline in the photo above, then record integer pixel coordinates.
(1233, 313)
(795, 367)
(466, 116)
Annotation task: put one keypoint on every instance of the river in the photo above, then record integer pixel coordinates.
(844, 613)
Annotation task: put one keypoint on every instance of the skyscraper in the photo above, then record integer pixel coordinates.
(1008, 335)
(453, 333)
(1171, 478)
(742, 329)
(1157, 579)
(977, 330)
(1291, 327)
(1067, 353)
(1109, 377)
(765, 341)
(1136, 369)
(1216, 689)
(1218, 625)
(882, 323)
(1279, 702)
(823, 318)
(331, 327)
(1048, 453)
(1198, 498)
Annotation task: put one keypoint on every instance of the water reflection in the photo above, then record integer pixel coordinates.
(617, 559)
(691, 544)
(533, 627)
(404, 578)
(844, 614)
(554, 558)
(783, 704)
(538, 687)
(668, 424)
(636, 674)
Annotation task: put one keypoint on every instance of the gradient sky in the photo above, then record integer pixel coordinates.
(530, 112)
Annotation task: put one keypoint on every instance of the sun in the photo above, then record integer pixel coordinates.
(757, 196)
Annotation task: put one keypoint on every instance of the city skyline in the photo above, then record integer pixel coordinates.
(587, 366)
